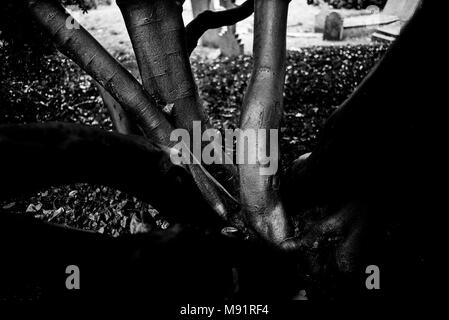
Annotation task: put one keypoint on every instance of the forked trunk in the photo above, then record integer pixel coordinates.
(81, 47)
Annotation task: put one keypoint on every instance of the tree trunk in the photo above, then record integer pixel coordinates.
(262, 109)
(81, 47)
(362, 192)
(157, 33)
(119, 118)
(364, 174)
(373, 137)
(150, 175)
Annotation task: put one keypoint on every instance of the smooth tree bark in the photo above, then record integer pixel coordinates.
(80, 46)
(157, 33)
(367, 192)
(150, 175)
(262, 109)
(119, 118)
(377, 127)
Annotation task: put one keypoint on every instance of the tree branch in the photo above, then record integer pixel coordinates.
(372, 139)
(212, 20)
(157, 33)
(120, 120)
(157, 266)
(81, 47)
(262, 109)
(173, 263)
(42, 155)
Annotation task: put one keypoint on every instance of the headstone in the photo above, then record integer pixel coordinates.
(333, 27)
(230, 44)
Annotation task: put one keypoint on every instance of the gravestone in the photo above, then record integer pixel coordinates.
(230, 44)
(384, 25)
(333, 27)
